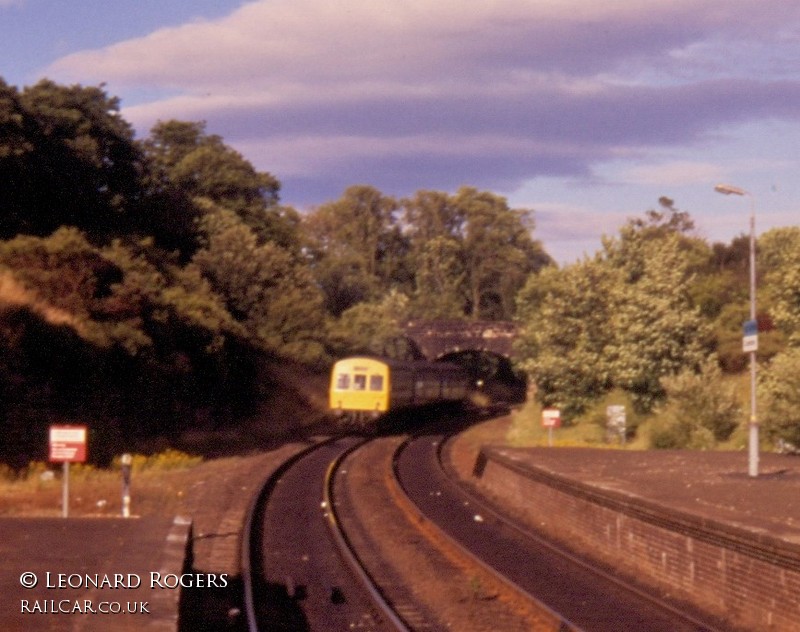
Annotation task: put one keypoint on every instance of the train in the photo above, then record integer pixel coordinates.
(367, 387)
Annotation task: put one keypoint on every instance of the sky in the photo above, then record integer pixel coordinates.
(585, 112)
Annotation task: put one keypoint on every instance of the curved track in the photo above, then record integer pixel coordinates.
(586, 597)
(298, 573)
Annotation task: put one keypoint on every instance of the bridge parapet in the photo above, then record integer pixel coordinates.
(438, 337)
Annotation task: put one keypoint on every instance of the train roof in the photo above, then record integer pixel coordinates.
(394, 362)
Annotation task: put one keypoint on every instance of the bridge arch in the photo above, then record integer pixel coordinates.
(436, 338)
(484, 348)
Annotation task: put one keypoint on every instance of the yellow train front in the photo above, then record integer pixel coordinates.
(367, 387)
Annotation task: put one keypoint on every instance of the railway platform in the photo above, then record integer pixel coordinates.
(87, 574)
(691, 524)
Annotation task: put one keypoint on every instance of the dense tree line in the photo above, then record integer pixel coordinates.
(657, 314)
(144, 284)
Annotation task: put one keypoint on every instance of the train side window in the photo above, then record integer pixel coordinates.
(359, 382)
(376, 382)
(343, 381)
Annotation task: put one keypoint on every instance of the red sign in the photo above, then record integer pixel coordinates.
(68, 444)
(551, 418)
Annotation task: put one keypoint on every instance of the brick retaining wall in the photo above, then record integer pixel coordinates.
(747, 578)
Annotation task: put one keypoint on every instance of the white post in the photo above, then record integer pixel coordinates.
(126, 485)
(752, 460)
(65, 490)
(753, 439)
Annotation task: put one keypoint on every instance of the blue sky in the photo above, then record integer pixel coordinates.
(584, 112)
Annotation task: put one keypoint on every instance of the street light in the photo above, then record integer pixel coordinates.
(727, 189)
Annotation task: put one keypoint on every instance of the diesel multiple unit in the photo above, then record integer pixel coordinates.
(371, 386)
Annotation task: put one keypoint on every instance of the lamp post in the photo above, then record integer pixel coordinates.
(727, 189)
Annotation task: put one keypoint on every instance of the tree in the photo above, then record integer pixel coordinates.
(70, 159)
(439, 280)
(471, 253)
(623, 319)
(779, 392)
(356, 247)
(780, 263)
(700, 411)
(265, 287)
(661, 223)
(373, 328)
(186, 165)
(564, 336)
(658, 331)
(499, 252)
(64, 270)
(434, 226)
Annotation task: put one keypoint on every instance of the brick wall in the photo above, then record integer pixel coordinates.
(751, 580)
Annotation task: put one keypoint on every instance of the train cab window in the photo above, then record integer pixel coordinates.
(343, 381)
(359, 382)
(376, 382)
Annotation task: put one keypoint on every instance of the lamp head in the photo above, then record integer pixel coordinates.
(729, 189)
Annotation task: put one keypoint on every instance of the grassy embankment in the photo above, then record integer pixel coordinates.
(589, 430)
(158, 485)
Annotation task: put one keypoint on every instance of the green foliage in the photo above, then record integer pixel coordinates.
(623, 319)
(702, 409)
(564, 315)
(779, 397)
(439, 279)
(471, 253)
(498, 252)
(780, 259)
(70, 159)
(265, 287)
(464, 255)
(65, 270)
(373, 328)
(658, 331)
(356, 247)
(189, 169)
(199, 165)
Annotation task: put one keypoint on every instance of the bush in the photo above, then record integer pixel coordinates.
(670, 433)
(701, 410)
(779, 391)
(169, 459)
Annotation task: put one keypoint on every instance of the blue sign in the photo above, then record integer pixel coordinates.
(750, 339)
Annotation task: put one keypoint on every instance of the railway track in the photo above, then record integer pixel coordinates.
(353, 534)
(296, 575)
(317, 555)
(584, 595)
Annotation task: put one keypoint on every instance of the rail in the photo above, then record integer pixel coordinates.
(348, 551)
(564, 625)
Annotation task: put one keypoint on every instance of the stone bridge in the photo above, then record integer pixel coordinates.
(436, 338)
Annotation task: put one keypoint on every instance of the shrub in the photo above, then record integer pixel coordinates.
(701, 410)
(779, 390)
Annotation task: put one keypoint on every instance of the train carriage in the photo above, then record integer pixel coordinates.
(373, 386)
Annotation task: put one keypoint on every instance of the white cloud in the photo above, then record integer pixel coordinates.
(675, 173)
(493, 93)
(279, 43)
(566, 222)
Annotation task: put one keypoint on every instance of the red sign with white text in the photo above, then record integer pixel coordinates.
(68, 444)
(551, 418)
